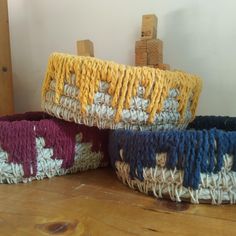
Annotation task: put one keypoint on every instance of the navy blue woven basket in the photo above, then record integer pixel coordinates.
(197, 164)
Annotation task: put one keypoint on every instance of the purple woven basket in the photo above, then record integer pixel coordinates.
(35, 145)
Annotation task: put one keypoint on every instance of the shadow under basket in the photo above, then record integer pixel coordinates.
(105, 94)
(196, 165)
(35, 145)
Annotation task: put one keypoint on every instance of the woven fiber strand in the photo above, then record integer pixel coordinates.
(95, 92)
(35, 145)
(196, 164)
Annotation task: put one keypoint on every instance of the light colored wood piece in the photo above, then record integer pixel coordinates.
(149, 20)
(141, 59)
(155, 58)
(85, 48)
(148, 33)
(155, 51)
(149, 27)
(96, 203)
(162, 66)
(141, 46)
(155, 46)
(6, 87)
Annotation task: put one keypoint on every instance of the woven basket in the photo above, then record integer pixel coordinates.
(36, 146)
(196, 165)
(99, 93)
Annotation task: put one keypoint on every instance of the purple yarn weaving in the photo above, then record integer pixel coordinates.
(18, 135)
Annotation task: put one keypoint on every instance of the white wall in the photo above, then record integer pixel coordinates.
(199, 37)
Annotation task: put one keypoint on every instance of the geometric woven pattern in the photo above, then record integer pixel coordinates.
(35, 145)
(99, 93)
(195, 164)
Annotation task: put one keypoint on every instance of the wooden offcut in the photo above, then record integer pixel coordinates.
(149, 20)
(155, 51)
(141, 46)
(141, 59)
(149, 50)
(85, 48)
(149, 27)
(155, 46)
(148, 33)
(154, 58)
(6, 88)
(162, 66)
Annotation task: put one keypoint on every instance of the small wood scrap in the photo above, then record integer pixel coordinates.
(162, 66)
(85, 48)
(141, 58)
(149, 27)
(149, 49)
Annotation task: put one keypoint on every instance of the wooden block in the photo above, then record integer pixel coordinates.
(154, 58)
(85, 48)
(162, 66)
(155, 51)
(140, 62)
(155, 46)
(141, 59)
(149, 21)
(149, 27)
(148, 33)
(140, 46)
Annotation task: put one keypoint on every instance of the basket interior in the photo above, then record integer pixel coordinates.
(29, 116)
(210, 122)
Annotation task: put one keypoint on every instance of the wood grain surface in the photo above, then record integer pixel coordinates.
(6, 90)
(96, 203)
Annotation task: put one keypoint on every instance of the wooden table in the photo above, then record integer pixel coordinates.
(96, 203)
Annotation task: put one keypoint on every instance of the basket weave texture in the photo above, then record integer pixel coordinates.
(36, 145)
(109, 95)
(197, 164)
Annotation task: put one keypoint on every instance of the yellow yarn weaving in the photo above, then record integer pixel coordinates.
(123, 83)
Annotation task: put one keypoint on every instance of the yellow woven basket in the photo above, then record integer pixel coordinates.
(100, 93)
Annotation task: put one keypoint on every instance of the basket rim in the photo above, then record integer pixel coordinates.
(34, 116)
(208, 124)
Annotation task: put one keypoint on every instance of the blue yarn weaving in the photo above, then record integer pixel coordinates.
(199, 149)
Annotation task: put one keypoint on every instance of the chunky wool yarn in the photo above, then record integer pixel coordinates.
(95, 92)
(36, 145)
(197, 164)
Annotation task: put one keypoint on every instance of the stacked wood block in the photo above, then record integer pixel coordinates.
(149, 49)
(85, 48)
(141, 53)
(155, 51)
(149, 27)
